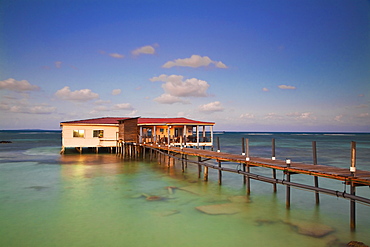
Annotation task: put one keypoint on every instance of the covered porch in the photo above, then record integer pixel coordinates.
(199, 135)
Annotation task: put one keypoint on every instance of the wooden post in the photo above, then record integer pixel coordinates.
(274, 177)
(287, 202)
(353, 186)
(211, 127)
(248, 181)
(205, 175)
(218, 144)
(243, 146)
(273, 157)
(182, 163)
(245, 178)
(316, 179)
(169, 158)
(197, 136)
(199, 167)
(219, 172)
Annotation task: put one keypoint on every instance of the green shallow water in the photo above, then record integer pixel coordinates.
(97, 200)
(100, 200)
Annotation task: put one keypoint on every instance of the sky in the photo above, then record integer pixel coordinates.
(246, 65)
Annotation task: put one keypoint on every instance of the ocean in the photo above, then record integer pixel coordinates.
(48, 199)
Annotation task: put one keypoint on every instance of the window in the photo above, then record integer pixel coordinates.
(98, 133)
(79, 133)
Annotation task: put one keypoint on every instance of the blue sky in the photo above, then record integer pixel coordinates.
(246, 65)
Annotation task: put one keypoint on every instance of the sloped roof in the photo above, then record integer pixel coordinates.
(141, 121)
(103, 120)
(179, 120)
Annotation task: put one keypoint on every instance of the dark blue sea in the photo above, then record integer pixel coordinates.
(48, 199)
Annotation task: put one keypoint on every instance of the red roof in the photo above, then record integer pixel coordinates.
(141, 121)
(179, 120)
(103, 120)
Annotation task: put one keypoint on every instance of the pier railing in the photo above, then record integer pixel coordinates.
(245, 162)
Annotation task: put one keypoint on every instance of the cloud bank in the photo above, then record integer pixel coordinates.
(116, 91)
(194, 61)
(143, 50)
(116, 55)
(211, 107)
(175, 85)
(19, 86)
(286, 87)
(78, 95)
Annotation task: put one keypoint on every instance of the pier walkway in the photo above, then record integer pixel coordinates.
(359, 177)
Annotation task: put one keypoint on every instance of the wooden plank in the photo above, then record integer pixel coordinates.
(360, 177)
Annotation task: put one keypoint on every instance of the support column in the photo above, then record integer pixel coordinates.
(168, 135)
(141, 135)
(204, 133)
(219, 173)
(155, 134)
(197, 136)
(353, 186)
(205, 175)
(316, 179)
(211, 127)
(199, 167)
(287, 202)
(248, 181)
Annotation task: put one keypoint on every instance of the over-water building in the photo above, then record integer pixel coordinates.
(110, 131)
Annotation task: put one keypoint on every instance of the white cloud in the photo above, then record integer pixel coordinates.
(304, 115)
(123, 106)
(101, 108)
(362, 106)
(78, 95)
(132, 113)
(102, 102)
(247, 116)
(42, 109)
(19, 86)
(169, 99)
(220, 65)
(273, 116)
(188, 88)
(211, 107)
(265, 89)
(175, 85)
(116, 55)
(286, 87)
(166, 78)
(194, 61)
(364, 115)
(58, 64)
(116, 91)
(144, 50)
(25, 107)
(338, 118)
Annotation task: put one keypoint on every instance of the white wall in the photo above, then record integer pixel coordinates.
(108, 140)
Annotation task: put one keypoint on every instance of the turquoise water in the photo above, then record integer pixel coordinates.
(102, 200)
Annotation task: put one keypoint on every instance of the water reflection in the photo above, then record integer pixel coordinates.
(95, 165)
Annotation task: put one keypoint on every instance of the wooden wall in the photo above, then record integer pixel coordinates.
(128, 130)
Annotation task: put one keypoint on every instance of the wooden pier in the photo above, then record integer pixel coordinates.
(243, 164)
